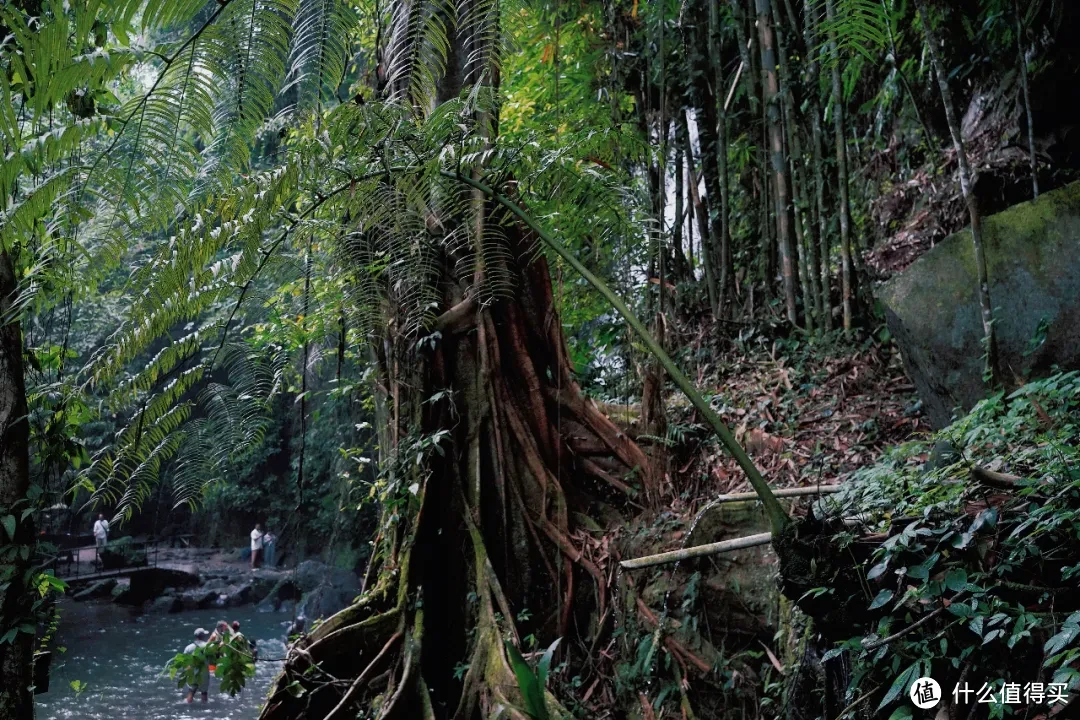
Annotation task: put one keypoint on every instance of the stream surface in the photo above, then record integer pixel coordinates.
(119, 654)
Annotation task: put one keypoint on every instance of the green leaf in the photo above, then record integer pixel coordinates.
(962, 610)
(545, 663)
(1068, 633)
(956, 579)
(9, 524)
(882, 597)
(901, 683)
(901, 713)
(531, 692)
(878, 570)
(835, 652)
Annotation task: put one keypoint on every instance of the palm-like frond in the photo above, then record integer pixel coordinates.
(322, 42)
(367, 181)
(860, 26)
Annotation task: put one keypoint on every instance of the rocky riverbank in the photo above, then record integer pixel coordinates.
(200, 579)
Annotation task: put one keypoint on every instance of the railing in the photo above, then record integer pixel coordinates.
(89, 562)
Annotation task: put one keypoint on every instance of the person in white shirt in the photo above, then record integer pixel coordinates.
(257, 539)
(202, 678)
(101, 531)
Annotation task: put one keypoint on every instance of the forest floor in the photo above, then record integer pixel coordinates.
(806, 416)
(808, 413)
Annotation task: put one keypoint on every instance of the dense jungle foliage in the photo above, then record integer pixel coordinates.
(482, 298)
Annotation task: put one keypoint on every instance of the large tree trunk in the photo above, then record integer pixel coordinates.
(487, 528)
(16, 655)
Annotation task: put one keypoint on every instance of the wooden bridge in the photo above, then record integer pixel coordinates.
(88, 563)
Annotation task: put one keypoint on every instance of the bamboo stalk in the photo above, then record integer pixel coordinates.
(734, 84)
(783, 492)
(697, 551)
(716, 548)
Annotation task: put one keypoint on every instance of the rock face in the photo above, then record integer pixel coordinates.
(1033, 262)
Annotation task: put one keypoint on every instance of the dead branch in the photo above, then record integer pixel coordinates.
(358, 682)
(1002, 481)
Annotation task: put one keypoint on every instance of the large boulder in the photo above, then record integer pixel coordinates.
(324, 601)
(151, 583)
(282, 592)
(199, 599)
(99, 589)
(310, 574)
(262, 582)
(239, 595)
(164, 604)
(1033, 263)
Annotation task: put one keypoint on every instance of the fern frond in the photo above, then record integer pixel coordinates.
(322, 40)
(860, 27)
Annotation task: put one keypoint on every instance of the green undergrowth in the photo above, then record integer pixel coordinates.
(975, 582)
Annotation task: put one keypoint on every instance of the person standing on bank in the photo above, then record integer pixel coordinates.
(257, 539)
(101, 535)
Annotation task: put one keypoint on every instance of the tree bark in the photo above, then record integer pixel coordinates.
(844, 209)
(716, 55)
(679, 271)
(701, 212)
(1027, 100)
(777, 160)
(16, 656)
(967, 187)
(688, 171)
(806, 253)
(704, 98)
(745, 54)
(814, 82)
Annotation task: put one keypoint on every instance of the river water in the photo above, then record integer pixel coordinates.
(119, 654)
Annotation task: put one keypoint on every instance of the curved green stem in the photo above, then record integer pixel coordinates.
(778, 519)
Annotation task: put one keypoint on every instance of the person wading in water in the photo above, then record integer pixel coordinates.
(244, 641)
(202, 678)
